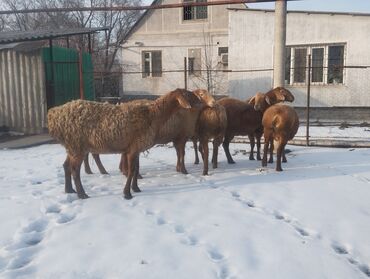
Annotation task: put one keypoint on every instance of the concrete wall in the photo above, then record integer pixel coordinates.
(251, 47)
(22, 92)
(165, 30)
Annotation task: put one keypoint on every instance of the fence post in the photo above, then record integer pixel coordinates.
(185, 74)
(81, 76)
(308, 101)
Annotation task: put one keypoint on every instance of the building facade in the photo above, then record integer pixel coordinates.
(155, 51)
(336, 42)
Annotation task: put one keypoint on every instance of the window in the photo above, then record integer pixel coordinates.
(327, 63)
(300, 55)
(335, 64)
(151, 63)
(194, 12)
(223, 56)
(194, 61)
(317, 64)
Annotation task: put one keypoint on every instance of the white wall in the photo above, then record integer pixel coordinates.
(166, 31)
(251, 47)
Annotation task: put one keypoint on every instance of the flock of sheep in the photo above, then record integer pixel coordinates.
(84, 127)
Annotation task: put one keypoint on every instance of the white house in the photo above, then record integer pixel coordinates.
(335, 41)
(154, 51)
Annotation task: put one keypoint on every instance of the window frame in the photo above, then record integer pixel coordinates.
(196, 70)
(151, 73)
(325, 64)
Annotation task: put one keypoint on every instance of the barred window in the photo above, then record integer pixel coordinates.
(151, 63)
(195, 12)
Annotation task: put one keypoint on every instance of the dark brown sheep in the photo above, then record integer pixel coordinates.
(84, 126)
(181, 126)
(244, 119)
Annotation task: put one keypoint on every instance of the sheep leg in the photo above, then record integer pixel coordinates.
(225, 145)
(99, 164)
(204, 144)
(216, 144)
(123, 166)
(252, 143)
(87, 165)
(130, 173)
(76, 162)
(265, 149)
(280, 150)
(134, 185)
(180, 150)
(68, 176)
(271, 160)
(284, 158)
(195, 144)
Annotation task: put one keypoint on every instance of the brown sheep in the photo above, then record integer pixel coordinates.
(280, 123)
(244, 119)
(211, 125)
(181, 126)
(85, 126)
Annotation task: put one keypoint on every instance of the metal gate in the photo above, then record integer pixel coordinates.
(63, 73)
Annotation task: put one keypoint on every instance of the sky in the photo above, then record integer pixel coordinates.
(361, 6)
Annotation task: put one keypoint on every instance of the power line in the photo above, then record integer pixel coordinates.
(135, 8)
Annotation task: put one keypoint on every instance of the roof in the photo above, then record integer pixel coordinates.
(24, 46)
(36, 35)
(304, 12)
(132, 29)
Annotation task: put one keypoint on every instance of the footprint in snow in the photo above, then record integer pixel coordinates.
(52, 208)
(343, 251)
(189, 240)
(160, 221)
(178, 229)
(214, 255)
(65, 218)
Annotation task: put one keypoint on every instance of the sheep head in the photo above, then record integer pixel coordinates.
(181, 99)
(205, 97)
(259, 101)
(281, 94)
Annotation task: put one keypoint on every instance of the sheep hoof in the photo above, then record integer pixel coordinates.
(83, 196)
(264, 164)
(139, 176)
(205, 173)
(184, 171)
(136, 189)
(251, 158)
(284, 161)
(127, 196)
(70, 191)
(231, 162)
(104, 172)
(279, 169)
(196, 162)
(88, 172)
(271, 161)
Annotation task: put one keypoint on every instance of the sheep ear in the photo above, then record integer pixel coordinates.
(267, 99)
(280, 95)
(183, 103)
(252, 100)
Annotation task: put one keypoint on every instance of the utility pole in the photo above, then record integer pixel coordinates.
(279, 42)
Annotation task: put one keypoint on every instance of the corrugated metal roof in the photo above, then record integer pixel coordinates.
(35, 35)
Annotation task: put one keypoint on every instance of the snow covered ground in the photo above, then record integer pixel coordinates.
(310, 221)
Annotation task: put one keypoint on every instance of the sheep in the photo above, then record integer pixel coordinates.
(280, 123)
(211, 125)
(180, 127)
(85, 126)
(243, 119)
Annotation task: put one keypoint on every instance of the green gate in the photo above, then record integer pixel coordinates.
(63, 77)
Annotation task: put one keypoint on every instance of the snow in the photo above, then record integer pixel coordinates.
(310, 221)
